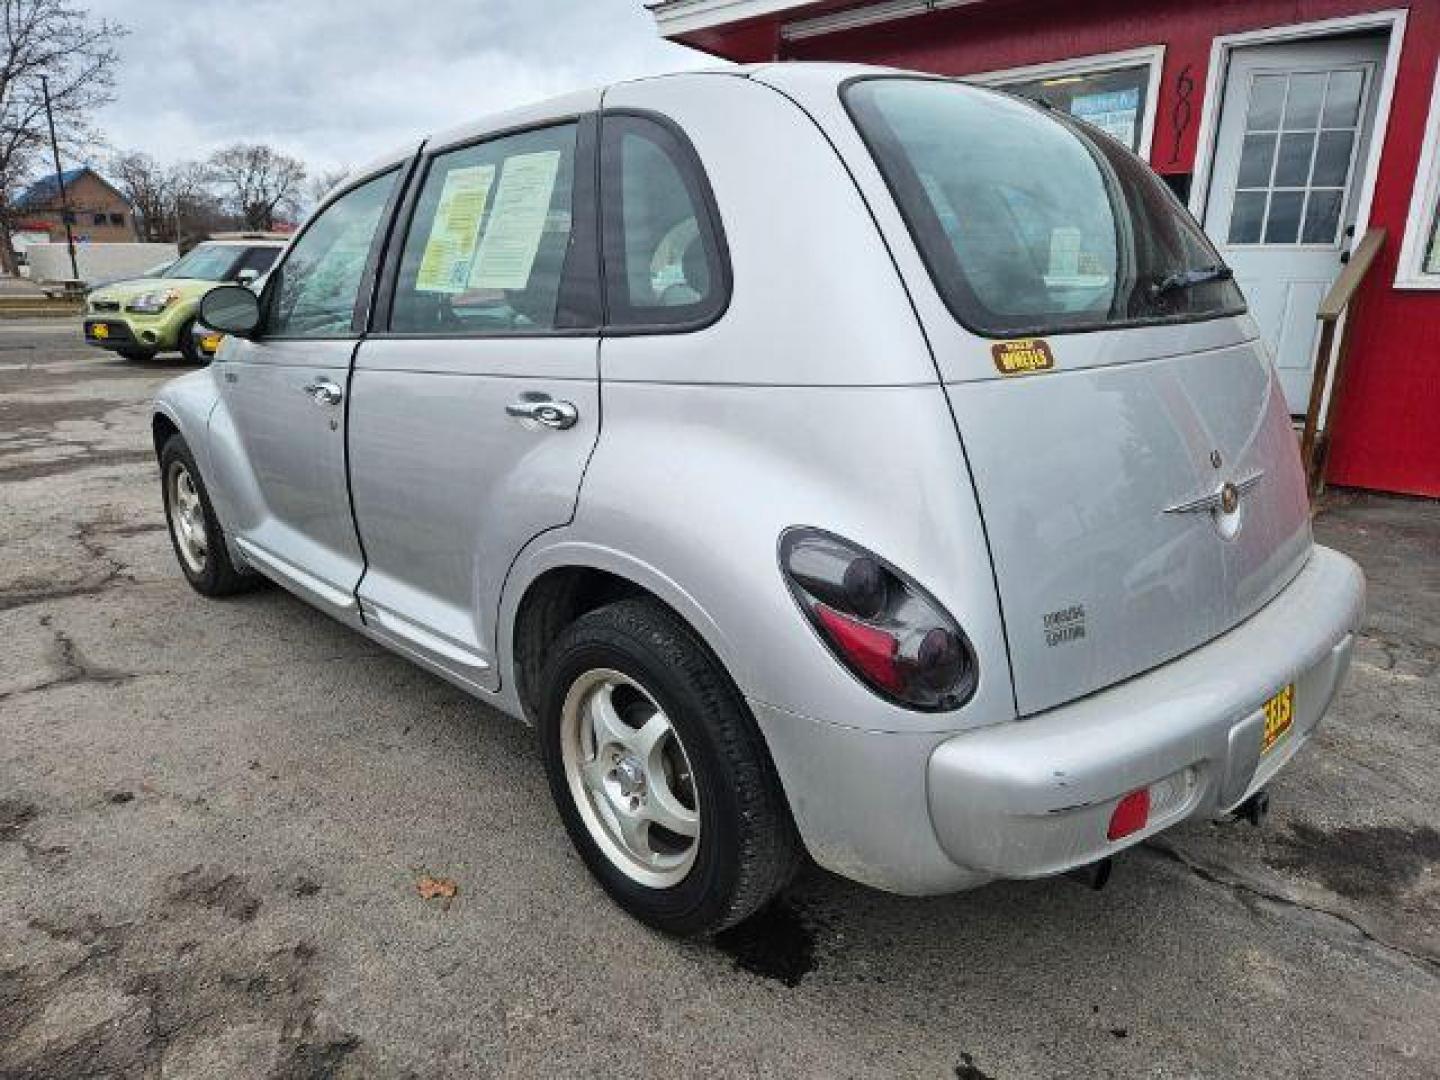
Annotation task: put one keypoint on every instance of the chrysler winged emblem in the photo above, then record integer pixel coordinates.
(1225, 499)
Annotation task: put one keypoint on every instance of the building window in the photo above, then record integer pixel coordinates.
(98, 219)
(1420, 251)
(117, 219)
(1114, 92)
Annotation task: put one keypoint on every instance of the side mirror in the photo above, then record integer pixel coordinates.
(231, 309)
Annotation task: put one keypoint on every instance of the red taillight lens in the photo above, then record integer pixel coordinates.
(881, 625)
(872, 651)
(1131, 814)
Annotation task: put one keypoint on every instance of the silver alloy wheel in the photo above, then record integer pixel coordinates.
(630, 778)
(187, 517)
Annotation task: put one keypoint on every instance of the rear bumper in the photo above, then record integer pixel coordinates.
(1034, 797)
(930, 813)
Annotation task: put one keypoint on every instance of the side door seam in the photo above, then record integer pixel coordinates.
(371, 286)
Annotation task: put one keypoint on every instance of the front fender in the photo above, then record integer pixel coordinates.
(189, 403)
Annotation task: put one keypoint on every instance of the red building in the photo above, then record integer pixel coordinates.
(1291, 128)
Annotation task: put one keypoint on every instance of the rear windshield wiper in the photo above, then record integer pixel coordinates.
(1187, 279)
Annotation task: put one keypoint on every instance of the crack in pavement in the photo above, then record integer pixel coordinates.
(1424, 961)
(85, 535)
(74, 668)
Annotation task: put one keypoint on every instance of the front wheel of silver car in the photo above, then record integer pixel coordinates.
(660, 774)
(195, 532)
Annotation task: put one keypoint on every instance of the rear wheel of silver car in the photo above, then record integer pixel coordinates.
(659, 772)
(195, 533)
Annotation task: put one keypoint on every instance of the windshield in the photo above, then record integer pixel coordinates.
(207, 262)
(1030, 222)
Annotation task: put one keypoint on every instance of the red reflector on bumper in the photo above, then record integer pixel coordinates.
(1131, 814)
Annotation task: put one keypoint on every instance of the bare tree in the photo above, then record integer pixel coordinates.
(257, 182)
(148, 187)
(59, 40)
(174, 202)
(322, 183)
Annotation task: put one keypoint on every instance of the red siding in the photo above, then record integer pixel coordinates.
(1387, 425)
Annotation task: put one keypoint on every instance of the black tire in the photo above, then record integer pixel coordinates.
(188, 349)
(135, 355)
(216, 575)
(748, 848)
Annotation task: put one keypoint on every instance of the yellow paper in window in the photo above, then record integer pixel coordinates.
(517, 222)
(445, 266)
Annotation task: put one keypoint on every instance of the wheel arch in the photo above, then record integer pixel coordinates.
(548, 589)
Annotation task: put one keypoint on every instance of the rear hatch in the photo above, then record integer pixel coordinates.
(1126, 435)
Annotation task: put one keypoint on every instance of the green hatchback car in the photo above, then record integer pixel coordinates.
(145, 316)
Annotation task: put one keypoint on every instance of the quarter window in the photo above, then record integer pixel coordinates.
(490, 238)
(314, 291)
(663, 260)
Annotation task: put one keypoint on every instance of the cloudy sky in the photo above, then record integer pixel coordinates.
(337, 82)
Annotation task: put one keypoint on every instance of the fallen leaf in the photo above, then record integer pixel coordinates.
(433, 888)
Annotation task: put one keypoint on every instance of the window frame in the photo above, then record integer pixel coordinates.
(581, 271)
(1149, 57)
(1420, 219)
(612, 246)
(364, 294)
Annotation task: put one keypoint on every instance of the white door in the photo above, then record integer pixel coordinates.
(1295, 127)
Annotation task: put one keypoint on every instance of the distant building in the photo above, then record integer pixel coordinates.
(99, 214)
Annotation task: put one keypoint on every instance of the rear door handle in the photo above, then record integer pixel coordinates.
(543, 409)
(324, 392)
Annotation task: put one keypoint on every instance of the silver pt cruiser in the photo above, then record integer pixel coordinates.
(824, 459)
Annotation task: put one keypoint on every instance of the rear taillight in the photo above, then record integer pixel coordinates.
(889, 632)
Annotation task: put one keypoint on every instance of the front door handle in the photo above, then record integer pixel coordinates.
(324, 392)
(544, 409)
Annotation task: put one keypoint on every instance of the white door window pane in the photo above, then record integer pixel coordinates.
(1342, 100)
(1247, 217)
(1267, 98)
(1305, 155)
(1292, 168)
(1302, 103)
(1257, 158)
(1332, 158)
(1322, 216)
(1282, 224)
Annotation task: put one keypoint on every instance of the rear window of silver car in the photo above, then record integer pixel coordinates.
(1029, 222)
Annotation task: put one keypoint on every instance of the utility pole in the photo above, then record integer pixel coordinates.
(60, 180)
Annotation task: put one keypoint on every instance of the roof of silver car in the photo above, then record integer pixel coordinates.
(577, 102)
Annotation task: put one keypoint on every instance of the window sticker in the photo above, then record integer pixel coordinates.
(445, 266)
(517, 222)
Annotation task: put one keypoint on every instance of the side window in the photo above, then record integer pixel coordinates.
(664, 255)
(490, 237)
(313, 292)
